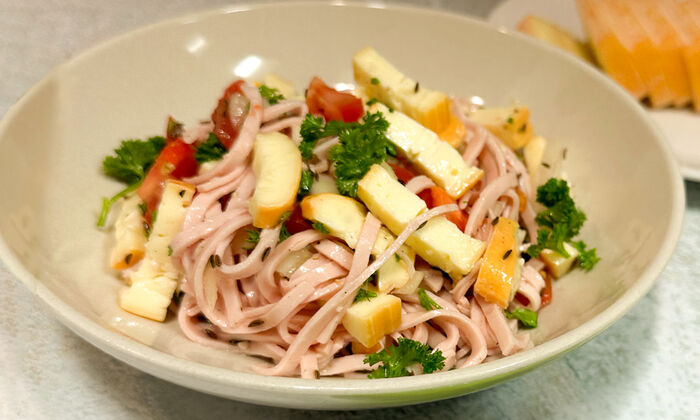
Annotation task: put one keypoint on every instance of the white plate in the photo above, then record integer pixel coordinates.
(53, 140)
(681, 127)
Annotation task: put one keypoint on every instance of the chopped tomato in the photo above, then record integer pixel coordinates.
(436, 196)
(404, 175)
(176, 160)
(546, 294)
(522, 299)
(296, 222)
(229, 114)
(433, 196)
(333, 105)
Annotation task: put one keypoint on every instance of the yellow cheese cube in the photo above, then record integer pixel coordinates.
(432, 156)
(393, 274)
(387, 199)
(153, 284)
(510, 124)
(130, 235)
(443, 245)
(370, 320)
(556, 263)
(344, 217)
(439, 242)
(380, 79)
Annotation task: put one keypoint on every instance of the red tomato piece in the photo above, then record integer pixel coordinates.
(229, 114)
(333, 105)
(436, 196)
(296, 222)
(404, 175)
(433, 196)
(522, 299)
(176, 160)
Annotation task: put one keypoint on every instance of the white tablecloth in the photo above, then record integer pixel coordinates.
(647, 365)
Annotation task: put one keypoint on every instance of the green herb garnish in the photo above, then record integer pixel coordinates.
(307, 180)
(253, 238)
(374, 81)
(587, 258)
(284, 233)
(396, 359)
(426, 301)
(561, 220)
(129, 165)
(364, 294)
(526, 317)
(211, 149)
(320, 227)
(272, 95)
(361, 144)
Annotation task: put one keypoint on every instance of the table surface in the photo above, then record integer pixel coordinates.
(647, 365)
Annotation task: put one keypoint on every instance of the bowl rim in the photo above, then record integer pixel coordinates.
(169, 367)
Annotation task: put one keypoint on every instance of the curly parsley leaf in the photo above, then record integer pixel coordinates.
(129, 165)
(307, 180)
(211, 149)
(253, 238)
(525, 317)
(272, 95)
(360, 146)
(364, 294)
(426, 301)
(311, 131)
(132, 159)
(396, 359)
(561, 221)
(587, 258)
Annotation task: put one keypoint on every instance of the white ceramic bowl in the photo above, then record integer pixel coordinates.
(52, 142)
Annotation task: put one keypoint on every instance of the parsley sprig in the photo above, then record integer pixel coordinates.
(359, 148)
(129, 164)
(272, 95)
(526, 317)
(361, 145)
(307, 180)
(320, 227)
(210, 149)
(396, 359)
(364, 294)
(426, 301)
(561, 221)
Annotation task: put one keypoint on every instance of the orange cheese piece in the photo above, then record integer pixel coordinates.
(454, 132)
(498, 277)
(667, 45)
(614, 54)
(686, 19)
